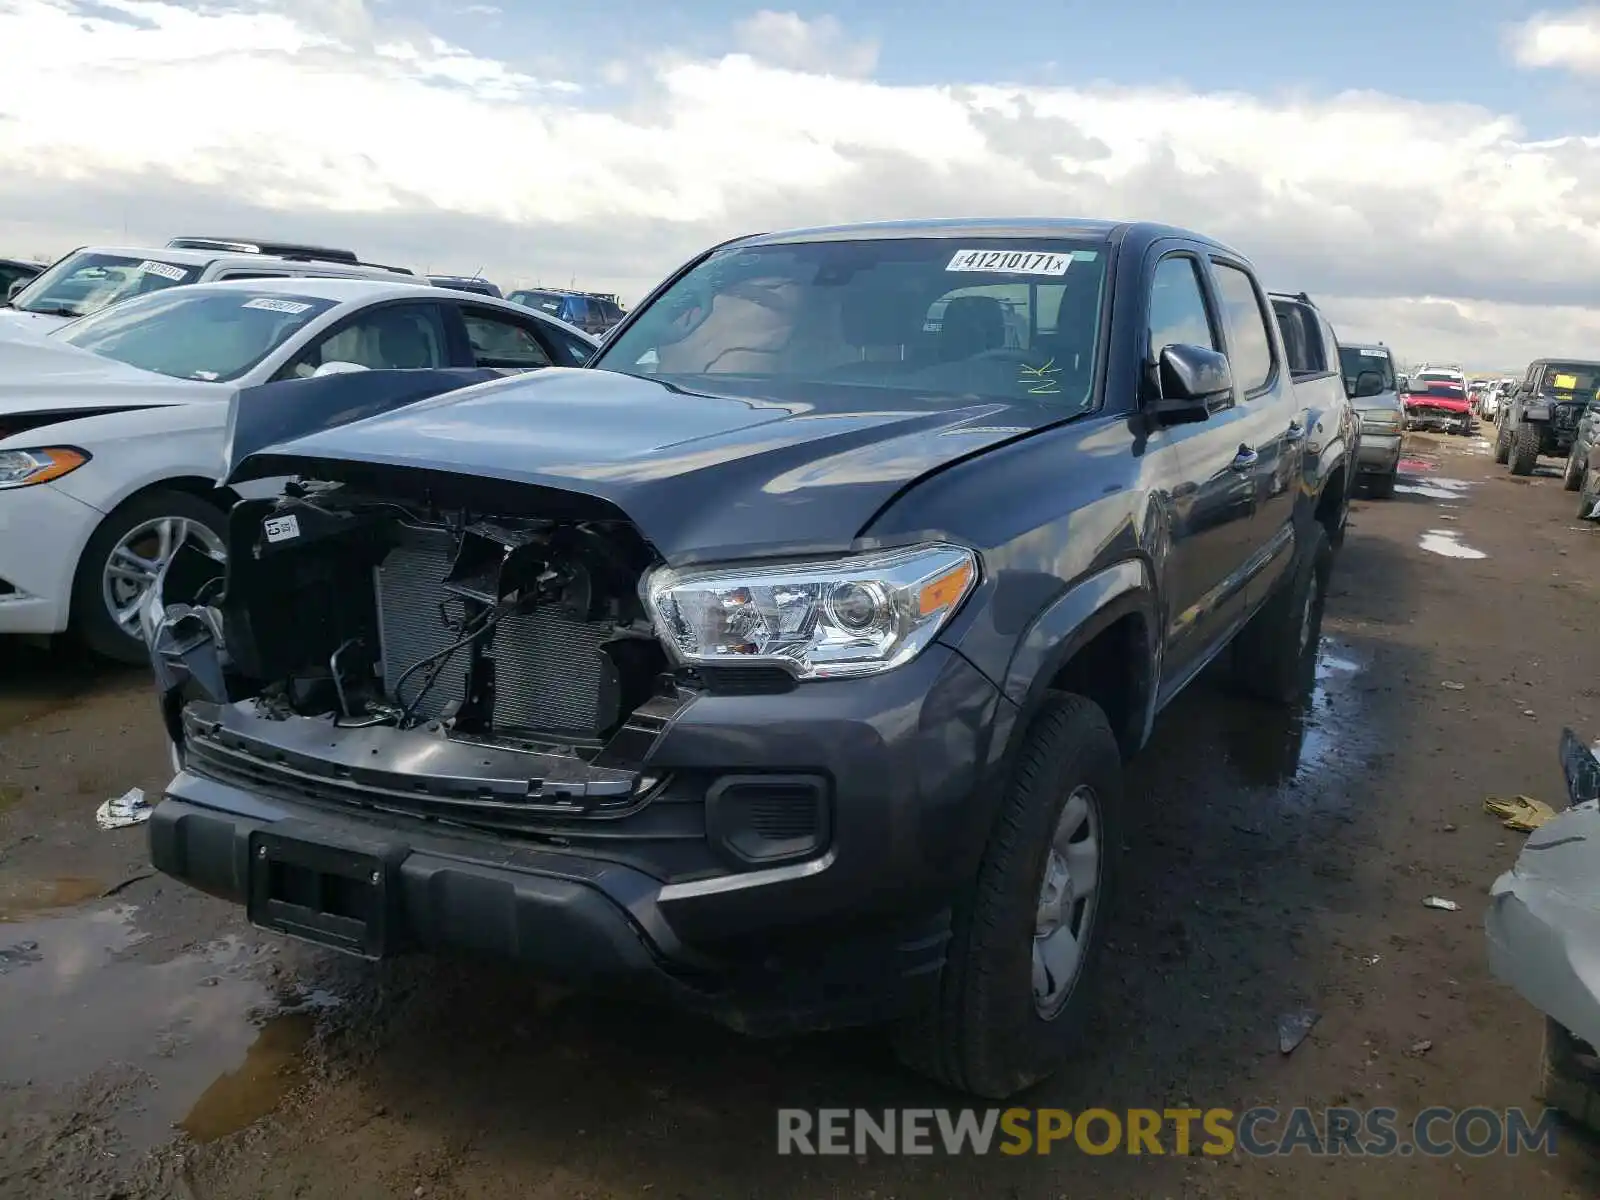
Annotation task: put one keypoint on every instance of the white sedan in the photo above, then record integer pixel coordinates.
(112, 428)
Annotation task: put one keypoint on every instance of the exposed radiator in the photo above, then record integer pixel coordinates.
(547, 666)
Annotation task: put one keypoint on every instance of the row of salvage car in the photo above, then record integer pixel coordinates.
(778, 656)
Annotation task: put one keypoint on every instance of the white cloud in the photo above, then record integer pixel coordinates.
(319, 121)
(1569, 39)
(787, 39)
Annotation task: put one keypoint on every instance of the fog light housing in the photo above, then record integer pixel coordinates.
(767, 819)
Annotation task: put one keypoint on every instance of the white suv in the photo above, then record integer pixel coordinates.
(93, 277)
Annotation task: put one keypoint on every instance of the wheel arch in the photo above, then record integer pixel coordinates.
(1100, 639)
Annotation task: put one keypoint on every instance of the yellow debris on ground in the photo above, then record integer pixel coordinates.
(1522, 813)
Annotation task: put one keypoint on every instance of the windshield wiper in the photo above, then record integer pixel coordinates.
(58, 311)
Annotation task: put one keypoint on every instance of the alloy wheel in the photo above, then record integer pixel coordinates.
(136, 561)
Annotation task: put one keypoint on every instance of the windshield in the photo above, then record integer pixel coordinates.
(1353, 360)
(1570, 377)
(84, 283)
(196, 333)
(979, 318)
(1431, 385)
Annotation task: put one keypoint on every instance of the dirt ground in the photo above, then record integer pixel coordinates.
(154, 1045)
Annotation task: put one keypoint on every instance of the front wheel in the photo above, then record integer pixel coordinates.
(1275, 655)
(1382, 486)
(1502, 444)
(1525, 448)
(1028, 933)
(123, 559)
(1572, 477)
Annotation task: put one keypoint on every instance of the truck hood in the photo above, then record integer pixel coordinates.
(801, 469)
(45, 375)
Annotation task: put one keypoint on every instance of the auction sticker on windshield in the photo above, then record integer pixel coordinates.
(1374, 354)
(292, 307)
(165, 270)
(1565, 383)
(1011, 262)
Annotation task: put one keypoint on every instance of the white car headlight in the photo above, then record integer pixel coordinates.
(1381, 421)
(859, 615)
(24, 468)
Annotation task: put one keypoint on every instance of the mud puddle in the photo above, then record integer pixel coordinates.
(198, 1042)
(35, 683)
(1297, 754)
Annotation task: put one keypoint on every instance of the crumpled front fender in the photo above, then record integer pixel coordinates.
(188, 652)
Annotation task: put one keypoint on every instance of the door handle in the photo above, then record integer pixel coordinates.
(1296, 432)
(1245, 459)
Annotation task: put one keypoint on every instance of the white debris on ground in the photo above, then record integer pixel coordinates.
(130, 808)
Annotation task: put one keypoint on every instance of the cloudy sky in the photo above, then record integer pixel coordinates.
(1429, 170)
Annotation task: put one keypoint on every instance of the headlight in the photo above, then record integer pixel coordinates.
(820, 620)
(24, 468)
(1381, 422)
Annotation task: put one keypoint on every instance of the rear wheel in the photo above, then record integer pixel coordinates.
(1572, 477)
(1525, 448)
(1276, 653)
(123, 559)
(1502, 444)
(1028, 934)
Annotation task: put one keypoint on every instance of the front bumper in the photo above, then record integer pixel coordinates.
(42, 534)
(652, 894)
(1436, 417)
(1379, 453)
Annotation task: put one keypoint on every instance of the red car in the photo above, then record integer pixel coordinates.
(1437, 400)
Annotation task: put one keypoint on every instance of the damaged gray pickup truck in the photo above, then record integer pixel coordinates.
(784, 658)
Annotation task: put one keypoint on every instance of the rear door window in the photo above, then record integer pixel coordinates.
(1249, 343)
(498, 340)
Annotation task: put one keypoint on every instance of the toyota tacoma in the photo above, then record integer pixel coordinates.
(783, 659)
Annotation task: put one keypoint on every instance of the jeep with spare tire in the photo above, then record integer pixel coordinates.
(781, 661)
(1540, 417)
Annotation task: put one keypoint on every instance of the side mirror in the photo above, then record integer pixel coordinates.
(1192, 378)
(1368, 383)
(336, 368)
(16, 286)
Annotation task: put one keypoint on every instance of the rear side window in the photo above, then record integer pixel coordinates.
(1249, 343)
(1178, 307)
(498, 342)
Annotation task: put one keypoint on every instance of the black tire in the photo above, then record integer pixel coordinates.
(1382, 486)
(1525, 448)
(1572, 477)
(1275, 655)
(983, 1032)
(1589, 492)
(1502, 444)
(92, 624)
